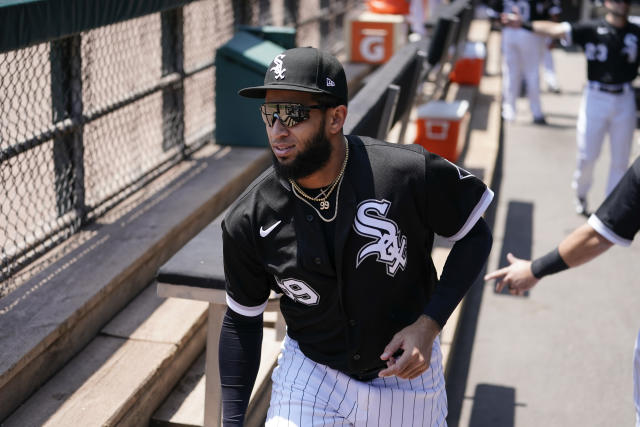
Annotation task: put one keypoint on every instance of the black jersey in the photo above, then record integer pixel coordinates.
(618, 218)
(612, 53)
(392, 200)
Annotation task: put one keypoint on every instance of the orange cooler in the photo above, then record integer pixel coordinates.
(373, 38)
(438, 127)
(470, 67)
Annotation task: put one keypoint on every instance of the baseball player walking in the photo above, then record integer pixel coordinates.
(343, 227)
(616, 221)
(608, 103)
(521, 55)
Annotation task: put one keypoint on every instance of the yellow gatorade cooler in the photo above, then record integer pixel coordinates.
(469, 67)
(373, 38)
(438, 128)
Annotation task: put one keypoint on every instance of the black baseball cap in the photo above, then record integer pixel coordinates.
(304, 69)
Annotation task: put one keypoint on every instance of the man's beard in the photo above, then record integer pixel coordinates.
(311, 159)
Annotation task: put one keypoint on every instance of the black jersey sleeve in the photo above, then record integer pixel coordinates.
(456, 199)
(464, 263)
(239, 354)
(581, 32)
(247, 283)
(618, 217)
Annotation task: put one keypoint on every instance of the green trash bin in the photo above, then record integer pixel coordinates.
(283, 36)
(241, 62)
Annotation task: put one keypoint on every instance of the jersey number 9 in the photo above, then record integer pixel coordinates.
(298, 291)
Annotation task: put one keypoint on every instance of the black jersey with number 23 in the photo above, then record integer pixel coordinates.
(612, 53)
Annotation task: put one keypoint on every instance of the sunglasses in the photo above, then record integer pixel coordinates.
(289, 114)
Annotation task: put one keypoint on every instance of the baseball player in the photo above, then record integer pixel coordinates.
(342, 227)
(608, 103)
(521, 54)
(616, 221)
(553, 10)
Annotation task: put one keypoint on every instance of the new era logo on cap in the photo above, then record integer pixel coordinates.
(303, 69)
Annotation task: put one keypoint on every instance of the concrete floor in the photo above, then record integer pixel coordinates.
(562, 355)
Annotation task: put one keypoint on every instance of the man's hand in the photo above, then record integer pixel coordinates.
(416, 341)
(517, 276)
(512, 19)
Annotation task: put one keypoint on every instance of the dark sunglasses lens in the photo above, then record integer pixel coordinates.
(289, 114)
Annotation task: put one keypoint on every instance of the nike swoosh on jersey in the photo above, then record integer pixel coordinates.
(265, 233)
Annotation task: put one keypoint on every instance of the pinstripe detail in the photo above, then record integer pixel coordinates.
(401, 397)
(413, 413)
(316, 396)
(423, 405)
(286, 375)
(346, 390)
(305, 387)
(379, 405)
(354, 405)
(329, 398)
(366, 421)
(391, 408)
(433, 380)
(292, 384)
(296, 376)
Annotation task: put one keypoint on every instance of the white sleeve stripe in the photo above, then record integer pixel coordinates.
(477, 212)
(606, 232)
(244, 310)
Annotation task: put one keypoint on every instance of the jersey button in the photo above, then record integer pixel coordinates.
(309, 218)
(317, 260)
(353, 322)
(356, 356)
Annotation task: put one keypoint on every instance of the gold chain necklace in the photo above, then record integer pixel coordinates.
(335, 214)
(324, 196)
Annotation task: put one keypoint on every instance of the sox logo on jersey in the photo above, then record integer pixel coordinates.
(389, 245)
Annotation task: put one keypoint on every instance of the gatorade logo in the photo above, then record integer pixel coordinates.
(372, 45)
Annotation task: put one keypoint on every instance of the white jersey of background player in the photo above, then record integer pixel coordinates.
(521, 56)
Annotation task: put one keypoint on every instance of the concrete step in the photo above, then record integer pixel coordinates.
(125, 372)
(61, 309)
(185, 405)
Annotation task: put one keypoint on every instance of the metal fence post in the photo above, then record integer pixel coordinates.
(68, 149)
(173, 96)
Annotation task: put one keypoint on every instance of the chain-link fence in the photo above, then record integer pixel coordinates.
(87, 119)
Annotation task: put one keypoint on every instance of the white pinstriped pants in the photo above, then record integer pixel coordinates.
(520, 58)
(306, 393)
(602, 113)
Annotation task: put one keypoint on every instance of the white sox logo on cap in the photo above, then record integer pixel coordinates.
(278, 70)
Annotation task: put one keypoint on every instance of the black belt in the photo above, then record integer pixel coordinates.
(613, 89)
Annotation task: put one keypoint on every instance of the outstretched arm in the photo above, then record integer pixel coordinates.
(556, 30)
(579, 247)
